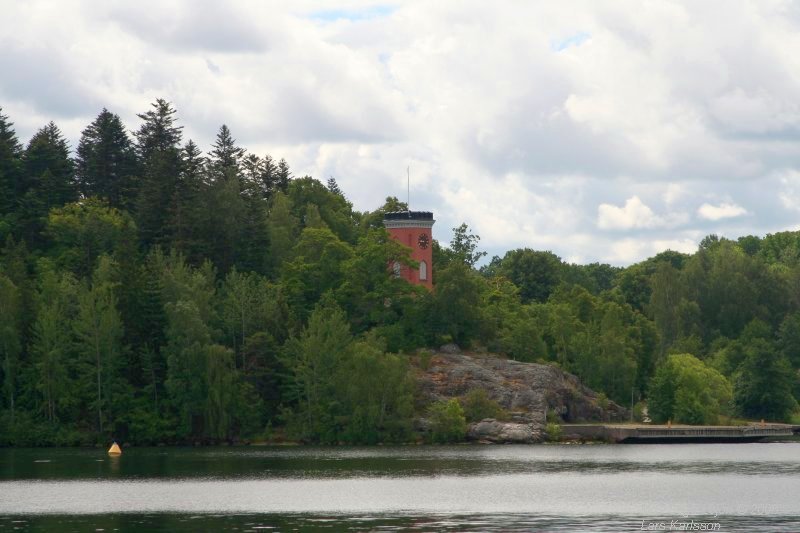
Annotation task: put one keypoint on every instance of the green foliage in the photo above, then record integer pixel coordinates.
(197, 321)
(764, 383)
(448, 423)
(535, 273)
(477, 405)
(82, 231)
(553, 431)
(106, 165)
(457, 309)
(346, 391)
(464, 246)
(686, 390)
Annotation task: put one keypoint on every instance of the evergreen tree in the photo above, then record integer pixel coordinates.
(158, 141)
(334, 187)
(10, 178)
(106, 163)
(225, 158)
(48, 181)
(282, 176)
(188, 215)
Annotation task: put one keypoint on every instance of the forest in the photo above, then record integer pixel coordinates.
(151, 292)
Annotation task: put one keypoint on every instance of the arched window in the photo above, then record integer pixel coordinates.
(423, 271)
(396, 269)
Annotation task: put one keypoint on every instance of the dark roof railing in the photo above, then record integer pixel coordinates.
(408, 215)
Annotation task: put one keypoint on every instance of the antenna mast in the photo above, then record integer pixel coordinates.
(408, 184)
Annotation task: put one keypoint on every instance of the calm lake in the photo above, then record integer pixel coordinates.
(741, 487)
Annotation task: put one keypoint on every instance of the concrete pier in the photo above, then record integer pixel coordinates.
(631, 433)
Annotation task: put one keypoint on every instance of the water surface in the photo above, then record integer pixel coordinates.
(416, 488)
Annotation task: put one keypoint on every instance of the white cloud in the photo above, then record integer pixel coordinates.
(521, 134)
(721, 211)
(635, 214)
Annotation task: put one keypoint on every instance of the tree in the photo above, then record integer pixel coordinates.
(521, 338)
(48, 181)
(52, 341)
(535, 273)
(106, 164)
(764, 383)
(222, 387)
(10, 341)
(98, 332)
(242, 297)
(10, 175)
(372, 297)
(334, 209)
(316, 268)
(82, 231)
(464, 245)
(314, 358)
(376, 391)
(789, 338)
(457, 307)
(225, 158)
(334, 187)
(664, 300)
(283, 231)
(685, 390)
(157, 144)
(188, 210)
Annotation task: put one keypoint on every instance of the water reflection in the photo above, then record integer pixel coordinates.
(413, 488)
(321, 462)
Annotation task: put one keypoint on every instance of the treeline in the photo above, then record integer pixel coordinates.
(151, 292)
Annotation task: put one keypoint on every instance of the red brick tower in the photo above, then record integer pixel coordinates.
(413, 228)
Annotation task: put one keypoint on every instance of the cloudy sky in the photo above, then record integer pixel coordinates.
(603, 131)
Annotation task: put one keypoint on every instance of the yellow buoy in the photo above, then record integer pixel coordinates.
(114, 450)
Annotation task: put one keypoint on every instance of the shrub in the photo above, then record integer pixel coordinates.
(553, 432)
(448, 423)
(424, 357)
(477, 406)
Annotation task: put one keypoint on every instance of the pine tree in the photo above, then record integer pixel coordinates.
(282, 176)
(158, 142)
(106, 162)
(268, 177)
(10, 162)
(48, 181)
(334, 187)
(225, 157)
(186, 208)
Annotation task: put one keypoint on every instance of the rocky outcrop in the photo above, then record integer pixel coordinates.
(493, 431)
(525, 390)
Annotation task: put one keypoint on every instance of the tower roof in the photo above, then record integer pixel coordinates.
(408, 215)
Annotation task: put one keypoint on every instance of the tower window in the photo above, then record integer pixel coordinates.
(423, 270)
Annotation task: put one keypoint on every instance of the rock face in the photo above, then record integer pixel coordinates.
(525, 390)
(496, 432)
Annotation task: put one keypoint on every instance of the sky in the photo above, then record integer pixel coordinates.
(602, 131)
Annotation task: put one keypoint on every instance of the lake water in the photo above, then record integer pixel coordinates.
(741, 487)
